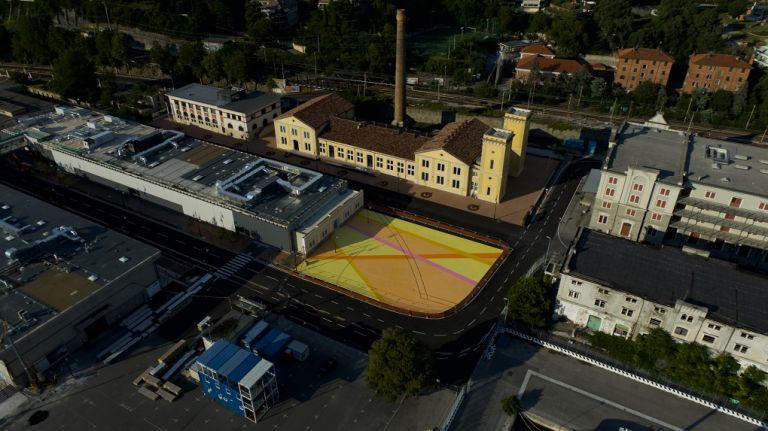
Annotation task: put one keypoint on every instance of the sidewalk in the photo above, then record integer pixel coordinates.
(522, 192)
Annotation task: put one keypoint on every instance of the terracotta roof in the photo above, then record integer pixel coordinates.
(375, 137)
(538, 48)
(319, 110)
(463, 140)
(718, 60)
(551, 65)
(645, 54)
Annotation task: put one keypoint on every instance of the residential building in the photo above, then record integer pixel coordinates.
(636, 65)
(285, 206)
(716, 72)
(760, 55)
(226, 112)
(548, 68)
(64, 280)
(532, 5)
(665, 186)
(537, 49)
(238, 379)
(466, 158)
(624, 288)
(283, 13)
(322, 4)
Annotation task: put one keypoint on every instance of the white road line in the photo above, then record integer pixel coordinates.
(350, 308)
(483, 310)
(270, 277)
(594, 397)
(418, 332)
(471, 323)
(458, 332)
(367, 315)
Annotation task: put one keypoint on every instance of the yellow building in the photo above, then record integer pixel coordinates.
(467, 158)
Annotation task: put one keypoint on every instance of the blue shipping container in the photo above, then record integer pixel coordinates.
(254, 333)
(276, 347)
(223, 394)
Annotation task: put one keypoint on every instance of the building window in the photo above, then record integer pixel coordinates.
(440, 179)
(656, 216)
(390, 164)
(708, 339)
(735, 202)
(613, 180)
(740, 348)
(441, 167)
(379, 162)
(602, 219)
(306, 135)
(631, 300)
(681, 331)
(627, 312)
(456, 170)
(654, 322)
(599, 303)
(713, 326)
(763, 206)
(455, 184)
(284, 140)
(603, 291)
(686, 317)
(606, 205)
(492, 162)
(709, 195)
(748, 336)
(488, 191)
(294, 132)
(620, 331)
(637, 187)
(359, 157)
(631, 213)
(610, 192)
(573, 294)
(350, 155)
(424, 163)
(308, 146)
(424, 176)
(635, 199)
(661, 203)
(410, 169)
(340, 153)
(400, 167)
(576, 283)
(659, 310)
(664, 192)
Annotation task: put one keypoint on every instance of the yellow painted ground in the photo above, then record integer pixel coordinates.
(400, 263)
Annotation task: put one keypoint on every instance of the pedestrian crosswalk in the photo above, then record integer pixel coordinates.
(234, 265)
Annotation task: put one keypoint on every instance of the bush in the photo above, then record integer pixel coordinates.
(510, 405)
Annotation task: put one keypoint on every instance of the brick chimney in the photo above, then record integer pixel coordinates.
(400, 71)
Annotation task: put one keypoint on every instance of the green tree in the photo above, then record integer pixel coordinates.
(484, 89)
(722, 101)
(540, 23)
(510, 405)
(236, 66)
(598, 88)
(725, 374)
(162, 56)
(213, 65)
(645, 94)
(190, 60)
(75, 76)
(5, 43)
(399, 364)
(569, 33)
(614, 17)
(30, 42)
(654, 350)
(529, 302)
(120, 48)
(107, 88)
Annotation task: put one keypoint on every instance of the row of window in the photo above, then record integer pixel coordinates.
(440, 166)
(205, 109)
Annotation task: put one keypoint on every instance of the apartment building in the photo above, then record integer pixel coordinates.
(226, 112)
(666, 186)
(466, 158)
(716, 72)
(283, 13)
(548, 68)
(636, 65)
(624, 288)
(537, 49)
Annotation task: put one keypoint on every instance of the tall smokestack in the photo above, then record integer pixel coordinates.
(400, 71)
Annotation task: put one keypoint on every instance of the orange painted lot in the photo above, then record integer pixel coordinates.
(401, 263)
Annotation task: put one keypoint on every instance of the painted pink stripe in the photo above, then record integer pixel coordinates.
(415, 256)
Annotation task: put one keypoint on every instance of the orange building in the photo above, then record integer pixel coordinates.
(716, 72)
(549, 68)
(537, 49)
(636, 65)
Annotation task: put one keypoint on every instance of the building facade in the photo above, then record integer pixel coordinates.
(537, 49)
(546, 67)
(668, 187)
(226, 112)
(713, 72)
(467, 158)
(627, 289)
(636, 65)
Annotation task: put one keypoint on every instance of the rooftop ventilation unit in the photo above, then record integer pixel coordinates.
(740, 157)
(715, 165)
(742, 167)
(725, 180)
(93, 277)
(764, 171)
(123, 259)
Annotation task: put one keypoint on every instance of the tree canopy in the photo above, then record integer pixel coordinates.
(75, 76)
(529, 302)
(399, 364)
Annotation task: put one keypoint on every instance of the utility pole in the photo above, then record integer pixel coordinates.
(315, 65)
(763, 137)
(365, 82)
(629, 111)
(106, 12)
(750, 116)
(687, 111)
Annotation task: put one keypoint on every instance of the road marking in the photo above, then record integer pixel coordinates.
(419, 332)
(317, 296)
(367, 315)
(340, 318)
(380, 320)
(613, 404)
(471, 323)
(458, 332)
(483, 310)
(349, 308)
(270, 277)
(333, 301)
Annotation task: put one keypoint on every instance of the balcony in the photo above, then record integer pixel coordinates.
(698, 216)
(760, 216)
(713, 234)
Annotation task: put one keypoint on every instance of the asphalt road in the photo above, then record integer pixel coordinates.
(457, 339)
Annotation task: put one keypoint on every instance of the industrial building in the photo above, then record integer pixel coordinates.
(281, 205)
(238, 379)
(623, 288)
(63, 280)
(670, 187)
(223, 111)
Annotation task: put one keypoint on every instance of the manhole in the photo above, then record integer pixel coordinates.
(426, 195)
(38, 417)
(473, 207)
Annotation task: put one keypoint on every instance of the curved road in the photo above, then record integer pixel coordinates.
(456, 339)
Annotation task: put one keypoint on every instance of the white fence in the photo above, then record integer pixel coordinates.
(639, 379)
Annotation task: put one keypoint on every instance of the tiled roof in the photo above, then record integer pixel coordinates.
(551, 65)
(375, 137)
(319, 110)
(718, 60)
(538, 48)
(463, 140)
(645, 54)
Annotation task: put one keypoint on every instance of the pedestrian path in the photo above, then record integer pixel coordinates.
(234, 265)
